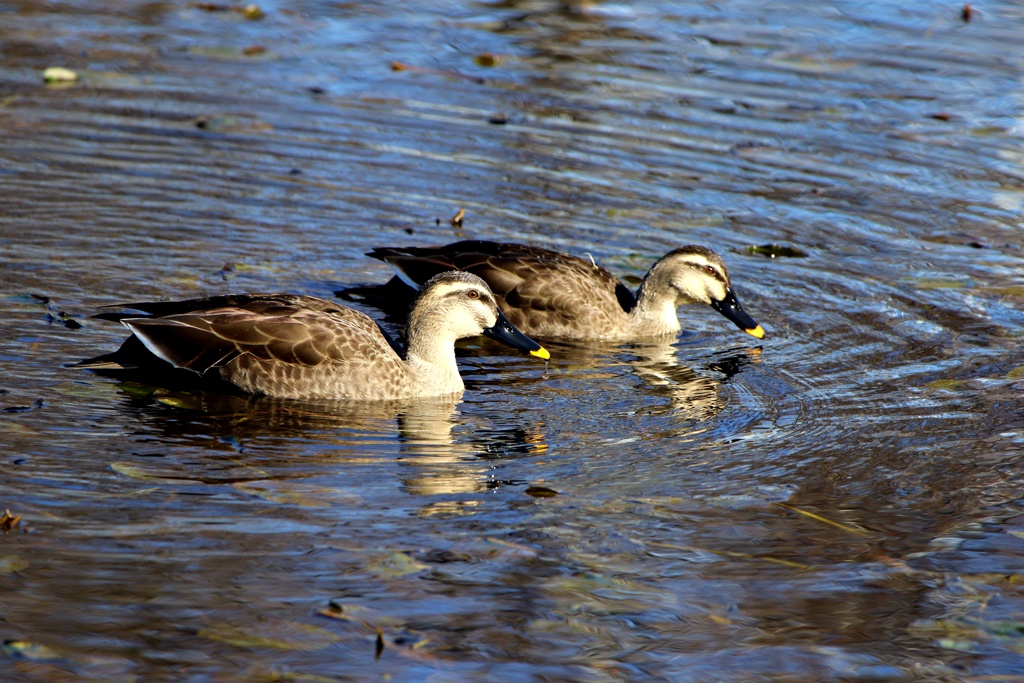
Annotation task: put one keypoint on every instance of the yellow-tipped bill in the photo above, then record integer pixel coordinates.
(731, 309)
(507, 333)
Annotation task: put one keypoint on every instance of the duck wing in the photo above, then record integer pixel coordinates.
(282, 330)
(541, 290)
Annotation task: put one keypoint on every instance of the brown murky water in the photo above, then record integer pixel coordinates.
(840, 502)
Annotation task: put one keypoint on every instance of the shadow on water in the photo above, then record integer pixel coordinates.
(838, 502)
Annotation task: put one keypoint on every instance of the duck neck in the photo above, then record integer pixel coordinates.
(656, 302)
(431, 355)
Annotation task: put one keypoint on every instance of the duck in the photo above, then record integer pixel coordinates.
(557, 296)
(304, 347)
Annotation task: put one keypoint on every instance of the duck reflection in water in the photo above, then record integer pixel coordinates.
(436, 449)
(690, 393)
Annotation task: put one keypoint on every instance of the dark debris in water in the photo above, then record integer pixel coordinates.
(488, 59)
(411, 68)
(36, 405)
(442, 556)
(253, 12)
(28, 650)
(54, 316)
(332, 611)
(777, 251)
(541, 492)
(959, 238)
(9, 521)
(64, 319)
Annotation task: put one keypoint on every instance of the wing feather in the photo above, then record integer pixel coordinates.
(543, 292)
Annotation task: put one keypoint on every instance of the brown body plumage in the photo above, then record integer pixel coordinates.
(292, 346)
(552, 295)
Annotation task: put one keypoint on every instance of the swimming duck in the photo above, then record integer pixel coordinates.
(304, 347)
(552, 295)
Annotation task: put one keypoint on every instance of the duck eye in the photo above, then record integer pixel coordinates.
(473, 294)
(710, 270)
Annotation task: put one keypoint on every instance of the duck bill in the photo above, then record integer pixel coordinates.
(507, 333)
(731, 309)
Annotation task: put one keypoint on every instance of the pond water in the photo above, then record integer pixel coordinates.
(841, 501)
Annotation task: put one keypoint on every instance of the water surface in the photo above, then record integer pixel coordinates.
(838, 502)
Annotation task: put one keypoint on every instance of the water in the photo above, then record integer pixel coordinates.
(840, 502)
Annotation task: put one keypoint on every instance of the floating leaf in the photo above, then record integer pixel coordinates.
(987, 131)
(516, 548)
(358, 614)
(730, 553)
(409, 645)
(10, 564)
(260, 267)
(180, 401)
(251, 12)
(139, 472)
(935, 283)
(280, 636)
(136, 390)
(947, 384)
(9, 521)
(394, 565)
(592, 591)
(411, 68)
(33, 651)
(58, 74)
(1014, 291)
(80, 389)
(823, 520)
(292, 493)
(957, 645)
(488, 59)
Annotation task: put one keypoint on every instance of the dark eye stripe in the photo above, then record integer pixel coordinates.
(709, 269)
(480, 295)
